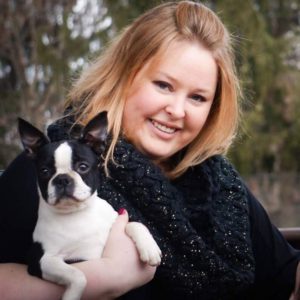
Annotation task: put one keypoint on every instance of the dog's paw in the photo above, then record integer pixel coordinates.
(148, 249)
(149, 253)
(75, 289)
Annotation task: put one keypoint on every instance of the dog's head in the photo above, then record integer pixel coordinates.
(67, 171)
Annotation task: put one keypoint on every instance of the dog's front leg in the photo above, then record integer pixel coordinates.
(56, 270)
(147, 247)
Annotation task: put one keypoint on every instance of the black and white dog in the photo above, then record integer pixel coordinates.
(73, 222)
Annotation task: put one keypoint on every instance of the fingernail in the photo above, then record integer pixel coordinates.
(121, 211)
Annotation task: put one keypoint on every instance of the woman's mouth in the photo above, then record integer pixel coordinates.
(163, 128)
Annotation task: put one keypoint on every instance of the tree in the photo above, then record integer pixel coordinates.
(269, 82)
(42, 44)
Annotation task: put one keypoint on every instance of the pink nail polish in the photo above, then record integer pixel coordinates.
(121, 211)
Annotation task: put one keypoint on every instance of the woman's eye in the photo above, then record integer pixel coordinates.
(198, 98)
(83, 168)
(163, 85)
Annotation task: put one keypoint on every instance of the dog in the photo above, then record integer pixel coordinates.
(73, 222)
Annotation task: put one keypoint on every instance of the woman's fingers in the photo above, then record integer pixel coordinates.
(122, 252)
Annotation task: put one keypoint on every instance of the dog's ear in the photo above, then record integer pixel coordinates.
(32, 138)
(95, 132)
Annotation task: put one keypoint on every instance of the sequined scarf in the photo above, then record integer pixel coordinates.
(200, 221)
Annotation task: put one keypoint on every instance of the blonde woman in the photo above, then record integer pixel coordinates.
(170, 88)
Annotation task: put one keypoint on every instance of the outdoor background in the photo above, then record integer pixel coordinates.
(44, 45)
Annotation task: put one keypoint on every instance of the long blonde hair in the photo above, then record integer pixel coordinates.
(105, 84)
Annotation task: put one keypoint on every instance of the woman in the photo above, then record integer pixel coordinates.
(170, 88)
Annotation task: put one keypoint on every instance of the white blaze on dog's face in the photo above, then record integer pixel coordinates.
(67, 175)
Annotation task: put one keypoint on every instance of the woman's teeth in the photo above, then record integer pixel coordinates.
(163, 128)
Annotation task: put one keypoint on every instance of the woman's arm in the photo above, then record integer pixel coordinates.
(16, 283)
(107, 278)
(296, 292)
(18, 213)
(276, 261)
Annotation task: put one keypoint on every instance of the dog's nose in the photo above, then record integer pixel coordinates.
(62, 181)
(64, 186)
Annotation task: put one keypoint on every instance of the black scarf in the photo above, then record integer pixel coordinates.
(199, 220)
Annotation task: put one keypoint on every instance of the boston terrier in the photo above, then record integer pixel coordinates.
(73, 222)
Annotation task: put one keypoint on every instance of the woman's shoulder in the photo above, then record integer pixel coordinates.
(220, 170)
(220, 163)
(221, 185)
(217, 182)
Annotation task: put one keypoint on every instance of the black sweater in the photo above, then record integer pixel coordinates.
(217, 241)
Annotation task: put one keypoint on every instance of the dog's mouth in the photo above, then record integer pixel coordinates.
(68, 204)
(66, 198)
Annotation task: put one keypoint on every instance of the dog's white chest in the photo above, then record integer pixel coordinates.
(78, 235)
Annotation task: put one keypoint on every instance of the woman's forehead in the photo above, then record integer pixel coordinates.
(183, 60)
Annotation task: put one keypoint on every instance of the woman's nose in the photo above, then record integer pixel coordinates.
(176, 107)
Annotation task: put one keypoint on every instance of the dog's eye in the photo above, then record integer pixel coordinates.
(44, 171)
(83, 168)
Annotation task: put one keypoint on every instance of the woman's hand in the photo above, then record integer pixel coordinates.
(122, 250)
(119, 270)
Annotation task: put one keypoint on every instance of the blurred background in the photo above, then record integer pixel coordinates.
(45, 44)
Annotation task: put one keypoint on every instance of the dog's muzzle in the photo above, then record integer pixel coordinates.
(64, 186)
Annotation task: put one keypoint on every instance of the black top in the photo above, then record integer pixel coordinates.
(275, 261)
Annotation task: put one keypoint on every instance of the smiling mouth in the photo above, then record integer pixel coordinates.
(163, 128)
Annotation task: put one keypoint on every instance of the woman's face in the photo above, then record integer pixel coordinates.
(168, 103)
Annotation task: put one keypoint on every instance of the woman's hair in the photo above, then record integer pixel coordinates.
(106, 83)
